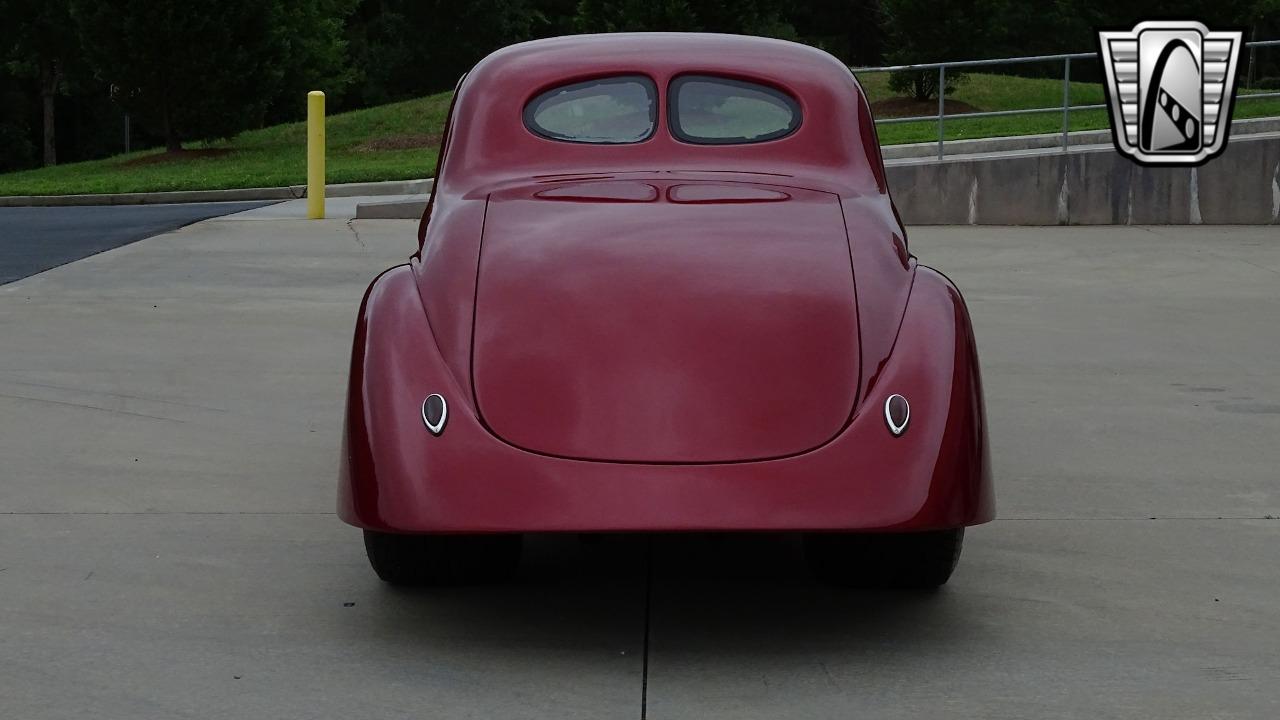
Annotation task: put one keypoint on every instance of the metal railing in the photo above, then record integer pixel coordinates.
(1066, 108)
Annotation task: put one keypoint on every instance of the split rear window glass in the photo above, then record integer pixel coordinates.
(716, 111)
(613, 110)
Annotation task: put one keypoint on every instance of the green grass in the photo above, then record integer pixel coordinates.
(276, 156)
(270, 157)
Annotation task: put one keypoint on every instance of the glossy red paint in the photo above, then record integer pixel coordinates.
(662, 336)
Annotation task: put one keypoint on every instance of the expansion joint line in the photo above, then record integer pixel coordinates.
(648, 615)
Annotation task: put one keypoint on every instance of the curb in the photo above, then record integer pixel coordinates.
(393, 210)
(292, 192)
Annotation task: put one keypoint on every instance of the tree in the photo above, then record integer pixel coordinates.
(206, 69)
(636, 16)
(922, 31)
(747, 17)
(406, 48)
(40, 40)
(1263, 68)
(848, 29)
(16, 149)
(314, 55)
(1216, 14)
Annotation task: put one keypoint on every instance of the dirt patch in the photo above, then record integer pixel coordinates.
(168, 157)
(410, 141)
(907, 107)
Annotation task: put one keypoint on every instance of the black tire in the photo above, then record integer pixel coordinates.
(413, 560)
(916, 560)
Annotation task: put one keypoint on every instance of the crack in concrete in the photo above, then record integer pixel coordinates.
(90, 407)
(117, 395)
(351, 226)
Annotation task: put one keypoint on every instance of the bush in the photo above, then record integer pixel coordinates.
(922, 31)
(923, 84)
(17, 151)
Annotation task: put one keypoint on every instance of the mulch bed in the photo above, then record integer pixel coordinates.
(907, 107)
(167, 157)
(410, 141)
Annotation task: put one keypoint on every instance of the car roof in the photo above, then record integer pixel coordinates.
(834, 145)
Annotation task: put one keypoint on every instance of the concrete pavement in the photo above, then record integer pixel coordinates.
(169, 415)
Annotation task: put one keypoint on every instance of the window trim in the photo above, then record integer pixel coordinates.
(651, 88)
(673, 109)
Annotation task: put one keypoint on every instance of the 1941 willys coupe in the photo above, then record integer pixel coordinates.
(662, 287)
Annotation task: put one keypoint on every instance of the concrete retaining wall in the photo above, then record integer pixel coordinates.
(1095, 186)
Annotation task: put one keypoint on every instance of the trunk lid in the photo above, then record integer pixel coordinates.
(658, 322)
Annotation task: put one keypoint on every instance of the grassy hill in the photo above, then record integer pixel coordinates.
(389, 142)
(400, 141)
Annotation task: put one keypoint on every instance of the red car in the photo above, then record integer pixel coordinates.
(662, 287)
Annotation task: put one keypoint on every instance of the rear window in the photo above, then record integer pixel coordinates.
(613, 110)
(714, 111)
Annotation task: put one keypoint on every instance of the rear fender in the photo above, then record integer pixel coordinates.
(395, 365)
(935, 359)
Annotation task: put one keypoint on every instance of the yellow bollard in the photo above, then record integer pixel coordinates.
(315, 155)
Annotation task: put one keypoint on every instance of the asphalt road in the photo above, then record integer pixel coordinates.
(169, 419)
(34, 239)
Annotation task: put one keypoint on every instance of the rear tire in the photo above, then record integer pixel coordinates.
(413, 560)
(913, 560)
